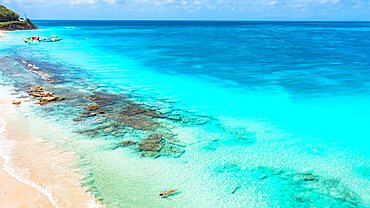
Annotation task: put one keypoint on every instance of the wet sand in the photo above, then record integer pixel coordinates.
(34, 172)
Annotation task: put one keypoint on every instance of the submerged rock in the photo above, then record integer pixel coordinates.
(305, 177)
(41, 94)
(310, 177)
(150, 154)
(44, 97)
(152, 143)
(16, 102)
(79, 119)
(135, 110)
(127, 143)
(88, 114)
(54, 81)
(93, 107)
(46, 100)
(108, 130)
(102, 99)
(140, 122)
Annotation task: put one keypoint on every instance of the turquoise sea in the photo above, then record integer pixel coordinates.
(232, 114)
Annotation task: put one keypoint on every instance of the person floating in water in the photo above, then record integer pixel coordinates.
(168, 193)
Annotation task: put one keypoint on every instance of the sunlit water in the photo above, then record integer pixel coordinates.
(286, 106)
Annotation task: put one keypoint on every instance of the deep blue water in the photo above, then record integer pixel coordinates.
(332, 54)
(301, 90)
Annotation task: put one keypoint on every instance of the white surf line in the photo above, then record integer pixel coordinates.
(36, 70)
(5, 147)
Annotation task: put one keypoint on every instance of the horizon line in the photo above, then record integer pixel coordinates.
(210, 20)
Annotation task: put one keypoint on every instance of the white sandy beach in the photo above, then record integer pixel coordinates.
(2, 35)
(34, 173)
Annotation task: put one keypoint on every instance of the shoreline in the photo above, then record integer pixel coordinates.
(26, 159)
(2, 35)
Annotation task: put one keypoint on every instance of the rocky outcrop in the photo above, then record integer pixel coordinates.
(10, 21)
(44, 97)
(93, 107)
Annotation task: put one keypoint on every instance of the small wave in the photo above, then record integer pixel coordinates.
(36, 70)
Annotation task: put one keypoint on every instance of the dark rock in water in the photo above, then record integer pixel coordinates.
(155, 138)
(139, 122)
(79, 119)
(44, 97)
(88, 114)
(188, 119)
(310, 177)
(93, 107)
(97, 97)
(155, 146)
(102, 99)
(132, 111)
(46, 100)
(135, 110)
(150, 146)
(174, 117)
(16, 102)
(171, 139)
(41, 94)
(54, 81)
(108, 130)
(305, 177)
(201, 121)
(128, 143)
(105, 102)
(152, 143)
(194, 120)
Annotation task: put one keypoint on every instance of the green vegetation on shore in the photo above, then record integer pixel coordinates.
(7, 15)
(10, 20)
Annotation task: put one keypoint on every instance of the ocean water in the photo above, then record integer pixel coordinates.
(251, 114)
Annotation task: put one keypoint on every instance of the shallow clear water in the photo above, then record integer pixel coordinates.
(278, 111)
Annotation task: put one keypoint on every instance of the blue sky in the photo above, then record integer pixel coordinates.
(194, 9)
